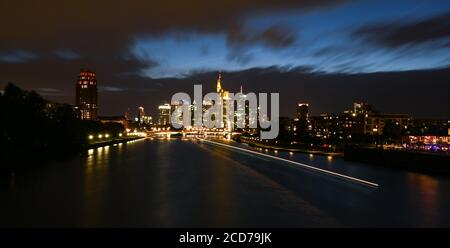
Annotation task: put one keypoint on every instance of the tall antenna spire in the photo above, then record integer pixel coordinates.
(219, 83)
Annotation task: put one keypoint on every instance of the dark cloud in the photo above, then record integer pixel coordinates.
(274, 37)
(240, 40)
(16, 56)
(67, 54)
(44, 43)
(50, 40)
(396, 34)
(277, 36)
(108, 25)
(49, 92)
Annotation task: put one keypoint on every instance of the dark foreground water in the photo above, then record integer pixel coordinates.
(185, 183)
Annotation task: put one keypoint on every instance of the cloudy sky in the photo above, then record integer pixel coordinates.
(394, 54)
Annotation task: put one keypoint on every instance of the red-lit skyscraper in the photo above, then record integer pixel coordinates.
(86, 95)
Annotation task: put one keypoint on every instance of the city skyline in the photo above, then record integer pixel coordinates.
(258, 114)
(155, 110)
(327, 53)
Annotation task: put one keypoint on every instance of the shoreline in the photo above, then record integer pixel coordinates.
(407, 160)
(112, 142)
(279, 148)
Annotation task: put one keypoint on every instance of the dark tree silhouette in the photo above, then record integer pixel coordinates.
(33, 129)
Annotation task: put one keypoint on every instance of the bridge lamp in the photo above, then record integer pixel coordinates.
(91, 137)
(106, 135)
(100, 136)
(120, 134)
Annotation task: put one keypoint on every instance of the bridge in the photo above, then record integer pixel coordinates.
(191, 133)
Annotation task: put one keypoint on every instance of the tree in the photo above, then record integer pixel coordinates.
(392, 131)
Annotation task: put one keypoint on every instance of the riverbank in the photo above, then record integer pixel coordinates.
(405, 160)
(33, 161)
(289, 149)
(113, 141)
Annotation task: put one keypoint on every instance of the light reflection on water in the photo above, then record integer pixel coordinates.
(176, 182)
(416, 199)
(420, 191)
(427, 189)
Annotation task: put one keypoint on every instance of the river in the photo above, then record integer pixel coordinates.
(188, 183)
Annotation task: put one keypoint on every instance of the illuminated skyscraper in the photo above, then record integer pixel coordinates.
(219, 84)
(224, 95)
(303, 111)
(302, 122)
(164, 114)
(86, 95)
(141, 114)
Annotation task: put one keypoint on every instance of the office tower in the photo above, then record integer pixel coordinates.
(164, 114)
(86, 95)
(141, 114)
(303, 111)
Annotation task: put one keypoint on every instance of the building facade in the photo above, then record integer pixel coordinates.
(224, 96)
(376, 123)
(303, 111)
(86, 95)
(164, 114)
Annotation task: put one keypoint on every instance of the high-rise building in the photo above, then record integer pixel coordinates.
(303, 111)
(141, 114)
(361, 108)
(86, 95)
(147, 120)
(164, 114)
(224, 95)
(301, 123)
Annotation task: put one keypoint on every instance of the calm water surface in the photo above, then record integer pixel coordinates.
(186, 183)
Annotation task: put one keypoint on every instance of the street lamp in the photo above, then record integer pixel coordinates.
(91, 137)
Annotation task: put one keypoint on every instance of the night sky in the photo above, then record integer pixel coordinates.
(393, 54)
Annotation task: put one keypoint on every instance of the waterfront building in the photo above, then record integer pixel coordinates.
(86, 95)
(141, 114)
(164, 114)
(147, 120)
(376, 122)
(436, 140)
(303, 112)
(302, 124)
